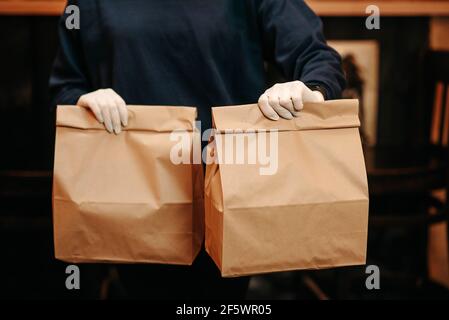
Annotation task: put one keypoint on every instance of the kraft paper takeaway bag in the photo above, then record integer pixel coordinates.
(304, 207)
(120, 198)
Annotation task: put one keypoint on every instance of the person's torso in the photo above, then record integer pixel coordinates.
(174, 52)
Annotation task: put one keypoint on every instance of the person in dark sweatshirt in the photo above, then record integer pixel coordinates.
(193, 53)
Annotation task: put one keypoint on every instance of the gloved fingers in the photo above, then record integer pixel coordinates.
(282, 112)
(285, 98)
(266, 109)
(296, 94)
(123, 111)
(120, 105)
(105, 112)
(115, 117)
(93, 105)
(87, 101)
(108, 98)
(273, 100)
(297, 100)
(108, 107)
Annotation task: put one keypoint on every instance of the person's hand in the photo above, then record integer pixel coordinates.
(287, 99)
(108, 107)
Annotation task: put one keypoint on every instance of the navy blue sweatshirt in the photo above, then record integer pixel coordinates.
(199, 53)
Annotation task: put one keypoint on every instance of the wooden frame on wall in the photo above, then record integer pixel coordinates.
(386, 7)
(366, 59)
(321, 7)
(32, 7)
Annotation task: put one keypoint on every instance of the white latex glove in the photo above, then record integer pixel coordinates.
(108, 107)
(286, 100)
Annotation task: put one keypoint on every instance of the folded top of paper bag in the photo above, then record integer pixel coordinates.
(330, 114)
(143, 118)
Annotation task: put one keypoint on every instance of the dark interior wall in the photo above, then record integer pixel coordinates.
(403, 42)
(27, 49)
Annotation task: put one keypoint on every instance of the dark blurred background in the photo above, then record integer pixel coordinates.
(405, 167)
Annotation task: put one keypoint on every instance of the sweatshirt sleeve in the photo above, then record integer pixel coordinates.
(68, 79)
(293, 39)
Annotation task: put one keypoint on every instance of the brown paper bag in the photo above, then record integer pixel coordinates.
(310, 212)
(120, 198)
